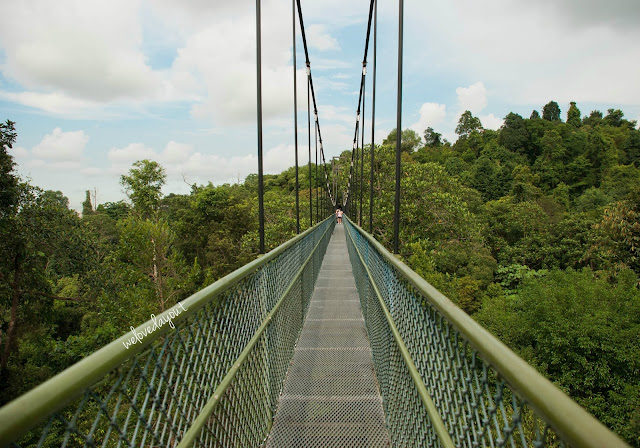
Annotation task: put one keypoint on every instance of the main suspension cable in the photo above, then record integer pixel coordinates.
(357, 125)
(315, 106)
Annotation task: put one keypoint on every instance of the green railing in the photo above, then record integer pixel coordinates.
(445, 380)
(207, 372)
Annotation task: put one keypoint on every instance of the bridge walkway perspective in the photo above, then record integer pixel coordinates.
(331, 395)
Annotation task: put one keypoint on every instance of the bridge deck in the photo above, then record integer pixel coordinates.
(331, 396)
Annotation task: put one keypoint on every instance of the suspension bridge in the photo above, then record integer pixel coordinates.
(326, 341)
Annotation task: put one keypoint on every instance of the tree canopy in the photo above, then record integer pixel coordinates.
(532, 229)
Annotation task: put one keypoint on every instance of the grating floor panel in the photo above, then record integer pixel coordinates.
(331, 397)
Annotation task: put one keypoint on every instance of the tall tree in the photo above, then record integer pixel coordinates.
(87, 208)
(432, 138)
(8, 179)
(467, 124)
(143, 185)
(551, 111)
(513, 134)
(534, 115)
(573, 115)
(410, 140)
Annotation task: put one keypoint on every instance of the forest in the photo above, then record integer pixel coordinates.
(532, 229)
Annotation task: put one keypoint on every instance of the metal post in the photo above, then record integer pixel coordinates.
(396, 221)
(364, 68)
(373, 113)
(295, 116)
(354, 179)
(260, 172)
(309, 131)
(316, 182)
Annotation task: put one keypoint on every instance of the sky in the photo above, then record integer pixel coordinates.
(94, 86)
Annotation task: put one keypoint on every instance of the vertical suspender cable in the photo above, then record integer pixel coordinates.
(316, 182)
(295, 116)
(309, 132)
(259, 86)
(354, 180)
(364, 70)
(373, 113)
(396, 216)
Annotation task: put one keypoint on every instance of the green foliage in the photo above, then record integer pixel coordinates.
(495, 221)
(409, 141)
(8, 179)
(432, 138)
(514, 135)
(551, 111)
(573, 115)
(143, 185)
(467, 124)
(581, 332)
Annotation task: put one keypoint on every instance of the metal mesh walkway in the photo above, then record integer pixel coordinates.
(330, 396)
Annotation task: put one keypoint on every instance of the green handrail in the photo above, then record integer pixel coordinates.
(40, 404)
(572, 424)
(436, 419)
(196, 428)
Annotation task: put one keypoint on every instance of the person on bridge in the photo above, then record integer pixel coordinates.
(339, 215)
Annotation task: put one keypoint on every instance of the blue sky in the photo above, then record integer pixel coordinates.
(94, 86)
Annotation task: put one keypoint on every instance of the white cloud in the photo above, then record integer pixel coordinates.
(181, 161)
(61, 146)
(319, 39)
(55, 102)
(431, 115)
(19, 152)
(532, 52)
(218, 61)
(472, 98)
(175, 152)
(490, 121)
(86, 50)
(122, 158)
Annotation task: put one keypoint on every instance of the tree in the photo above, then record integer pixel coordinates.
(43, 241)
(581, 332)
(535, 115)
(432, 138)
(8, 180)
(595, 118)
(467, 124)
(617, 242)
(551, 111)
(410, 140)
(524, 188)
(513, 133)
(143, 185)
(573, 115)
(147, 245)
(615, 118)
(87, 208)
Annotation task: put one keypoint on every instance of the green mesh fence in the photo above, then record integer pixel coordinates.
(213, 380)
(445, 381)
